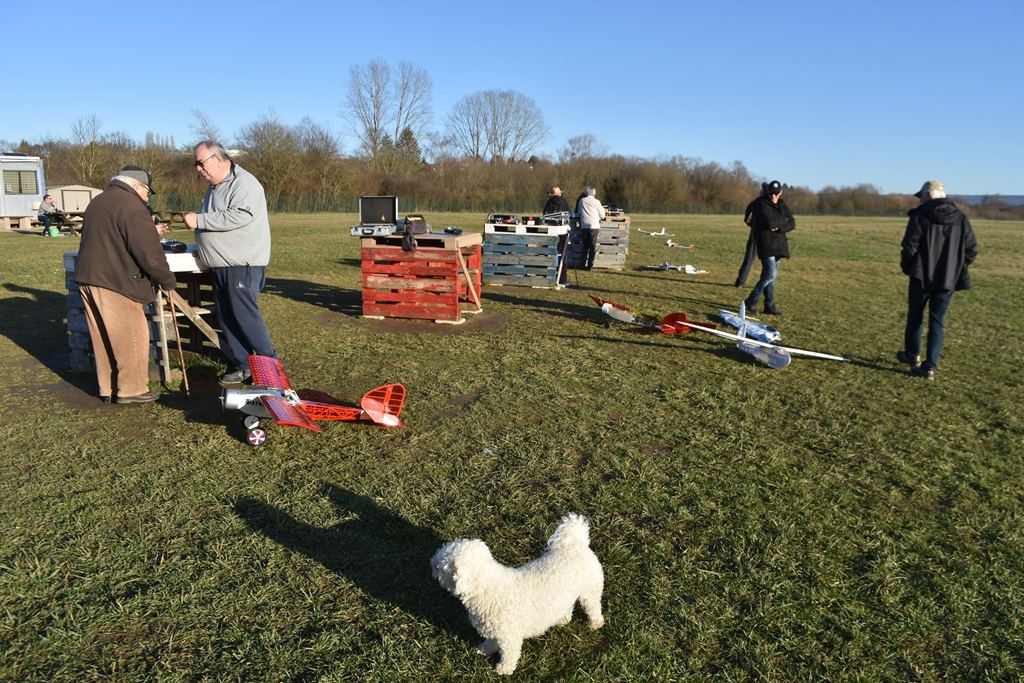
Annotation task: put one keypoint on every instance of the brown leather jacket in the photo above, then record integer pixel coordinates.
(120, 247)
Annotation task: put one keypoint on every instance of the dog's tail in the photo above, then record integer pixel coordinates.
(572, 533)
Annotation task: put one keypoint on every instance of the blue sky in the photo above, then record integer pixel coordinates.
(811, 93)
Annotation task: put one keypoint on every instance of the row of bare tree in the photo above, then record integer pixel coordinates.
(485, 159)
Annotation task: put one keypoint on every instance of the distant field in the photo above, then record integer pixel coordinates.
(826, 521)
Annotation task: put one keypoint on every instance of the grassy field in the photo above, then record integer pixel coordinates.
(826, 521)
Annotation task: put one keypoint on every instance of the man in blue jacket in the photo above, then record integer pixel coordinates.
(233, 240)
(937, 247)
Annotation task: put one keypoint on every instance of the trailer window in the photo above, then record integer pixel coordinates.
(20, 182)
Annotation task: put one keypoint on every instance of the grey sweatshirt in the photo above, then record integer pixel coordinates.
(233, 228)
(591, 213)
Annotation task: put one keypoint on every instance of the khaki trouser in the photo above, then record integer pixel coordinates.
(120, 341)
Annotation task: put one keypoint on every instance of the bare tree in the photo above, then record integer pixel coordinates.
(412, 97)
(272, 154)
(368, 104)
(581, 147)
(89, 158)
(467, 125)
(204, 129)
(320, 153)
(500, 125)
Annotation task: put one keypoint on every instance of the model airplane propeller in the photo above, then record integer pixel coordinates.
(775, 357)
(271, 396)
(660, 233)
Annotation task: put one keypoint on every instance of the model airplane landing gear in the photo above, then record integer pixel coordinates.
(257, 436)
(254, 434)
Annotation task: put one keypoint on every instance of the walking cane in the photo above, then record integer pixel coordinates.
(177, 338)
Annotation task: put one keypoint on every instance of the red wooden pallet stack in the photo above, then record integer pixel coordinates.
(439, 280)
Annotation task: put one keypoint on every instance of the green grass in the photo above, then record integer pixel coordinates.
(839, 521)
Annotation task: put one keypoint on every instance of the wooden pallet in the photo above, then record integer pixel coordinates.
(524, 260)
(428, 283)
(522, 229)
(612, 247)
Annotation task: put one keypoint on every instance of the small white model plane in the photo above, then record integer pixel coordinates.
(688, 269)
(660, 233)
(775, 357)
(677, 245)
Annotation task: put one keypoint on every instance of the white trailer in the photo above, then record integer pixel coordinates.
(22, 188)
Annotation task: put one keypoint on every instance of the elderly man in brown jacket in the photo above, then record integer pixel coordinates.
(119, 260)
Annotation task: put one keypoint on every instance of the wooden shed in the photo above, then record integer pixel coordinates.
(72, 198)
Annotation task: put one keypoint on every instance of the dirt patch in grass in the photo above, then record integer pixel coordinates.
(67, 394)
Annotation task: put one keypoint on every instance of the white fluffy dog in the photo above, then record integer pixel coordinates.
(506, 605)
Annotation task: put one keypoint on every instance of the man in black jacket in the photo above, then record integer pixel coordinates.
(772, 220)
(556, 202)
(937, 247)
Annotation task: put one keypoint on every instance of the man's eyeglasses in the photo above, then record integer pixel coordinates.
(203, 162)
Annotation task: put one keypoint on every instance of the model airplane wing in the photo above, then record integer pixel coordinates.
(268, 372)
(285, 413)
(748, 340)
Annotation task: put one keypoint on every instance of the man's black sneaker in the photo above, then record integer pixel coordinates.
(907, 359)
(923, 371)
(236, 377)
(771, 310)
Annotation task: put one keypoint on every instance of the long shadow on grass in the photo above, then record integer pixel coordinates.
(707, 345)
(345, 301)
(564, 309)
(36, 324)
(385, 556)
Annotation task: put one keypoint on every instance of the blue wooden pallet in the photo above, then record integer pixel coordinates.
(524, 260)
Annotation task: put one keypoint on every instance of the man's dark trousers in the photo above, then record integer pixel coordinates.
(243, 331)
(748, 260)
(938, 304)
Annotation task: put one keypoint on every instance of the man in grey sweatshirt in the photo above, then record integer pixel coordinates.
(233, 239)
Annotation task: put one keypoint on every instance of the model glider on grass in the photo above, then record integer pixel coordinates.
(677, 245)
(775, 357)
(755, 330)
(688, 269)
(271, 396)
(660, 233)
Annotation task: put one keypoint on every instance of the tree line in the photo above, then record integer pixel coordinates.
(485, 158)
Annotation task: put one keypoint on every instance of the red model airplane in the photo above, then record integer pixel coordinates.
(271, 395)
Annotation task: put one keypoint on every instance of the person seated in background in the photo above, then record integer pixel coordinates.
(49, 214)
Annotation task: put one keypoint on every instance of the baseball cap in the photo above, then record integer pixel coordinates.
(142, 175)
(929, 187)
(774, 187)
